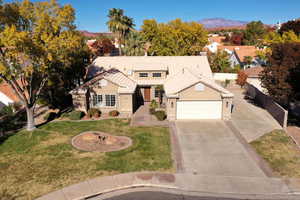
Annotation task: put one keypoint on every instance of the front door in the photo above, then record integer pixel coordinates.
(147, 94)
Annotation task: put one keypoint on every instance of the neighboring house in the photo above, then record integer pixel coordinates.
(253, 77)
(7, 95)
(214, 42)
(239, 54)
(125, 83)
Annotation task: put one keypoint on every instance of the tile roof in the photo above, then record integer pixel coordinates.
(253, 72)
(183, 71)
(7, 91)
(218, 39)
(243, 51)
(126, 85)
(187, 78)
(127, 64)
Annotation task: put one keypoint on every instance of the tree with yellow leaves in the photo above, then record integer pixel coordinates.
(41, 39)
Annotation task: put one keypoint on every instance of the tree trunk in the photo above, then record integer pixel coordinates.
(120, 50)
(30, 119)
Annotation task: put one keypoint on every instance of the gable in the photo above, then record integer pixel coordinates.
(104, 86)
(199, 92)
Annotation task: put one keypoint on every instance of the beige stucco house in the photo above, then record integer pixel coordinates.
(125, 83)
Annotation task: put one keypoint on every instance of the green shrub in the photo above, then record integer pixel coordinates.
(94, 112)
(160, 115)
(7, 110)
(153, 104)
(114, 113)
(50, 116)
(76, 115)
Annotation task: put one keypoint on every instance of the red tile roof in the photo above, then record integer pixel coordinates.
(253, 71)
(8, 91)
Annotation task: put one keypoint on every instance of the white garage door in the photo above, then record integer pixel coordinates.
(199, 110)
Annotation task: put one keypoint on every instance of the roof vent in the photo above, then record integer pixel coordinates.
(182, 70)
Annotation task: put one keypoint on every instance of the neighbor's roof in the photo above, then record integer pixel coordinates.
(253, 72)
(174, 64)
(243, 51)
(8, 91)
(218, 39)
(187, 78)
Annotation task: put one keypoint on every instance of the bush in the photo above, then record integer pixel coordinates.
(50, 116)
(7, 110)
(160, 115)
(114, 113)
(152, 111)
(94, 112)
(153, 104)
(75, 115)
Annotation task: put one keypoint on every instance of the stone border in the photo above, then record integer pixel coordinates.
(176, 151)
(130, 143)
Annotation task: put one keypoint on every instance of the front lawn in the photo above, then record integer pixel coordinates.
(280, 152)
(35, 163)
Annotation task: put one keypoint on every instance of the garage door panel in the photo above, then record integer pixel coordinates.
(199, 110)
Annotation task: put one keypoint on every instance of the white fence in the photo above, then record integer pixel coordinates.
(224, 76)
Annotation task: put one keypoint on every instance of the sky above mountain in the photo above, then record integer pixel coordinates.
(91, 15)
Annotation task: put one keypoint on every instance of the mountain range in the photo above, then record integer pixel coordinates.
(213, 23)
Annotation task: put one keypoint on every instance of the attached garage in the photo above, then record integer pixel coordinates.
(198, 109)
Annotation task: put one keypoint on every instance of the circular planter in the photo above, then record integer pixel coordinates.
(100, 142)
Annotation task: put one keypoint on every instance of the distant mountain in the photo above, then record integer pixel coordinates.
(94, 35)
(213, 23)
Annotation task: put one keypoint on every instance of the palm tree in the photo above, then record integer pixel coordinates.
(134, 45)
(119, 24)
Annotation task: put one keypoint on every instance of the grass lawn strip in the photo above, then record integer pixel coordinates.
(35, 163)
(279, 150)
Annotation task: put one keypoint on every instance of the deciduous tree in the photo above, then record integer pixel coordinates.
(281, 76)
(175, 38)
(219, 62)
(43, 40)
(254, 31)
(242, 78)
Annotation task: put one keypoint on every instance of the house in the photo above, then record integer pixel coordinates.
(240, 53)
(125, 83)
(214, 42)
(253, 77)
(7, 95)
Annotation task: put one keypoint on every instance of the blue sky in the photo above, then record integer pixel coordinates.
(91, 15)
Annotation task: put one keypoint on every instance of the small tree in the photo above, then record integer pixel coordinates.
(160, 89)
(248, 60)
(242, 78)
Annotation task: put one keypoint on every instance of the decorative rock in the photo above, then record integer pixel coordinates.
(100, 142)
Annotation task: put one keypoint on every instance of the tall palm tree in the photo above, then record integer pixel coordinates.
(134, 45)
(119, 24)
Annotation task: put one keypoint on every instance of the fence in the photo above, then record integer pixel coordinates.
(265, 101)
(224, 76)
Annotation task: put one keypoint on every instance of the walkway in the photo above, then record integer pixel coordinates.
(142, 117)
(250, 120)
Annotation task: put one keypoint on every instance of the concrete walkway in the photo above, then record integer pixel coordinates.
(251, 120)
(142, 117)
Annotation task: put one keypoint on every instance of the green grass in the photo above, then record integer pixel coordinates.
(35, 163)
(280, 152)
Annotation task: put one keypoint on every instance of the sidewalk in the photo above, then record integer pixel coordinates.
(142, 117)
(270, 188)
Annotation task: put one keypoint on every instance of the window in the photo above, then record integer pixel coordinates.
(97, 100)
(156, 93)
(110, 100)
(199, 87)
(156, 74)
(143, 74)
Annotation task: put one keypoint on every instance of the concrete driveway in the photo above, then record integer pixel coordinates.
(209, 147)
(250, 120)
